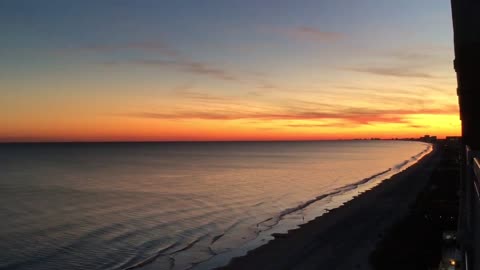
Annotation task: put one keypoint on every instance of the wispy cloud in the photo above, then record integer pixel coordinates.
(185, 65)
(199, 96)
(206, 69)
(150, 46)
(191, 67)
(418, 126)
(309, 33)
(446, 89)
(172, 58)
(406, 55)
(358, 116)
(397, 71)
(402, 63)
(322, 125)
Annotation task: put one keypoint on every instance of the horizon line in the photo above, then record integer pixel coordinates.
(210, 141)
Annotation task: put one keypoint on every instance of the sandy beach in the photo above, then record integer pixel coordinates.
(344, 237)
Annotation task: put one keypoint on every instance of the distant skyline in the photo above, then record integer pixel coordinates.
(226, 70)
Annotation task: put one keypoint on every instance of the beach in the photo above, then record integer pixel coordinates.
(345, 237)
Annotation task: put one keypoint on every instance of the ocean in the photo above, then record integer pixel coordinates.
(174, 205)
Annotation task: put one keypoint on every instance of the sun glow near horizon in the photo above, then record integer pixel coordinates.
(298, 72)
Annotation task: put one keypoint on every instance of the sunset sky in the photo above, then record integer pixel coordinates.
(226, 70)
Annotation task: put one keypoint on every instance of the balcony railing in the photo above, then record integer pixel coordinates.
(469, 222)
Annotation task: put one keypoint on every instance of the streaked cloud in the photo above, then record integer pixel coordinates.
(418, 126)
(175, 59)
(412, 57)
(190, 66)
(200, 96)
(446, 89)
(323, 125)
(402, 63)
(360, 116)
(149, 46)
(165, 67)
(312, 34)
(396, 71)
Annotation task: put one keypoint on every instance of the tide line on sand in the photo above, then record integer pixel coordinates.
(343, 238)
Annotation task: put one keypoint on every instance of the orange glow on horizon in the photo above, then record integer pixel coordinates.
(308, 75)
(135, 129)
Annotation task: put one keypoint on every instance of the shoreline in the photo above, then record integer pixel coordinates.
(434, 212)
(343, 237)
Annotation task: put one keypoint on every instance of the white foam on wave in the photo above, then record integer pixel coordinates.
(323, 203)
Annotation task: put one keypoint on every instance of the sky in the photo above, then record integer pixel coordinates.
(226, 70)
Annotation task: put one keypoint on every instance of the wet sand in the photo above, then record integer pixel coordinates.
(345, 237)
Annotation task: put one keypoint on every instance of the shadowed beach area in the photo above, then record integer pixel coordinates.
(345, 237)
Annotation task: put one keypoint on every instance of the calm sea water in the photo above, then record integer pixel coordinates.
(174, 205)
